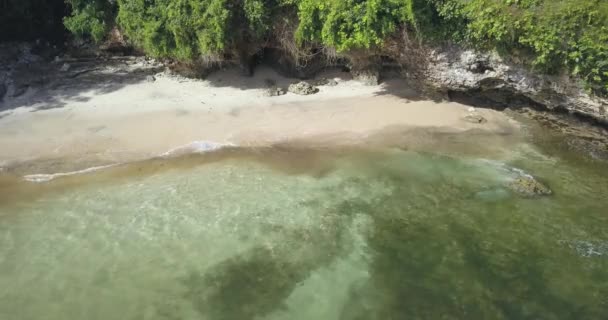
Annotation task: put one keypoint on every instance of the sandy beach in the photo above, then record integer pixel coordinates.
(102, 123)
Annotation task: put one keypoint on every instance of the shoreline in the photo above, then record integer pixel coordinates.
(143, 119)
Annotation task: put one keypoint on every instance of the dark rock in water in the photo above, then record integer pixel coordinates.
(474, 118)
(150, 78)
(528, 186)
(302, 88)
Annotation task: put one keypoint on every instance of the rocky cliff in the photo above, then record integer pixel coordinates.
(489, 76)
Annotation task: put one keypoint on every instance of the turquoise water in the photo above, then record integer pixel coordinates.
(312, 234)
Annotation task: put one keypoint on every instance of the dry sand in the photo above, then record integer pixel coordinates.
(143, 119)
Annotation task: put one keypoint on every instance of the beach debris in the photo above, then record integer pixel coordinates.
(325, 82)
(474, 117)
(275, 91)
(302, 88)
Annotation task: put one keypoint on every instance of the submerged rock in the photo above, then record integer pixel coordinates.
(528, 186)
(588, 249)
(302, 88)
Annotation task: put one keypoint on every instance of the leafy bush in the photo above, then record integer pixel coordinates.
(187, 28)
(558, 34)
(554, 35)
(90, 17)
(357, 24)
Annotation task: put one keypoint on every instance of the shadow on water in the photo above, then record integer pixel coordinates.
(252, 284)
(257, 282)
(428, 261)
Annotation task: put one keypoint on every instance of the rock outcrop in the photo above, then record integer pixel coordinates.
(302, 88)
(528, 186)
(488, 74)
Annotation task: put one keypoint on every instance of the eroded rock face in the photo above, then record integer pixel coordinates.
(461, 70)
(369, 77)
(302, 88)
(528, 186)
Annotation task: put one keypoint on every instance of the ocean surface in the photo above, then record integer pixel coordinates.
(324, 233)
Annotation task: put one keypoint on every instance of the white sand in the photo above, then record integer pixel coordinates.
(145, 119)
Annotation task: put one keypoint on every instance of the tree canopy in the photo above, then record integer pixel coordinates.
(551, 35)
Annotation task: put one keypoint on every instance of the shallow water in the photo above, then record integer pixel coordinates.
(312, 234)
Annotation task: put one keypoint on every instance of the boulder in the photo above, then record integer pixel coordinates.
(302, 88)
(528, 186)
(150, 78)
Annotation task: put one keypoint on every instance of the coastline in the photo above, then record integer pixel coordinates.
(141, 119)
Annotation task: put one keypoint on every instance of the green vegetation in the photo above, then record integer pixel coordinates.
(551, 35)
(557, 34)
(90, 17)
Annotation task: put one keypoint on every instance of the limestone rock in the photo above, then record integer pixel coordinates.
(302, 88)
(461, 70)
(528, 186)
